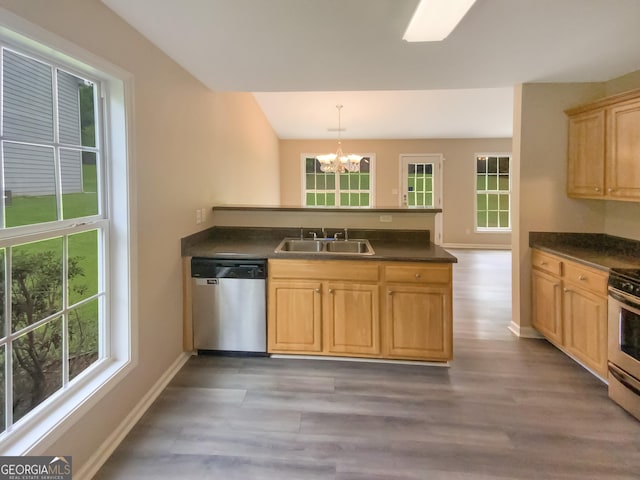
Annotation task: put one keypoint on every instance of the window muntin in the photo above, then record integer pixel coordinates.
(493, 192)
(328, 189)
(52, 291)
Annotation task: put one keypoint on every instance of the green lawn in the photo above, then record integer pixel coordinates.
(82, 247)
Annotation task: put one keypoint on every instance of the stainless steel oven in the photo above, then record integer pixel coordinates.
(624, 339)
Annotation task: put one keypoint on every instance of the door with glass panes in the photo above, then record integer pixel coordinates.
(420, 177)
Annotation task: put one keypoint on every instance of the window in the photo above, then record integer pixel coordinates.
(59, 220)
(328, 189)
(493, 192)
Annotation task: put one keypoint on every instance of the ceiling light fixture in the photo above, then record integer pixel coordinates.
(434, 20)
(339, 162)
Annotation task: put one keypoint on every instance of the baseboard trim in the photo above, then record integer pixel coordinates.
(95, 462)
(360, 359)
(524, 332)
(475, 246)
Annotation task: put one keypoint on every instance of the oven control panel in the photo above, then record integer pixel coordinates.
(624, 285)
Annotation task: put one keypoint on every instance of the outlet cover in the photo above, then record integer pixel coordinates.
(198, 216)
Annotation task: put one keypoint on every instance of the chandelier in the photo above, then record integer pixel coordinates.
(339, 162)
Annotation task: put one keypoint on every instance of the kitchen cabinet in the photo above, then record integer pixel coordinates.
(546, 286)
(569, 308)
(586, 156)
(296, 307)
(335, 307)
(352, 320)
(323, 307)
(623, 151)
(585, 315)
(603, 158)
(418, 320)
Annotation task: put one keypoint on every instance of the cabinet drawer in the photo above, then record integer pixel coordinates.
(412, 273)
(547, 263)
(585, 277)
(361, 271)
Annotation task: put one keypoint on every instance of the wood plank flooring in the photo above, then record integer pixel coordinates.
(507, 408)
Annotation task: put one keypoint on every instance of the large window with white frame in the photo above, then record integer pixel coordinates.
(493, 192)
(330, 189)
(55, 221)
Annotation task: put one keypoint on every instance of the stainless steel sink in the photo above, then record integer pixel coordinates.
(302, 246)
(348, 246)
(325, 246)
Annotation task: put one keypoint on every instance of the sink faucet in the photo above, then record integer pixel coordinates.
(337, 235)
(346, 234)
(313, 234)
(324, 232)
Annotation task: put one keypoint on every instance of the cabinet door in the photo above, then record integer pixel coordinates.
(586, 155)
(623, 152)
(294, 316)
(352, 320)
(585, 328)
(546, 299)
(418, 322)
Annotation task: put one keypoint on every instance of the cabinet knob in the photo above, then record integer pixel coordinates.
(544, 264)
(582, 278)
(417, 275)
(609, 190)
(566, 290)
(389, 292)
(331, 290)
(597, 189)
(317, 290)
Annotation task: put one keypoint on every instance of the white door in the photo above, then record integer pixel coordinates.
(421, 185)
(421, 181)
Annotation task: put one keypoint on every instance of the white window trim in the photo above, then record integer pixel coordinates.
(477, 229)
(372, 180)
(49, 421)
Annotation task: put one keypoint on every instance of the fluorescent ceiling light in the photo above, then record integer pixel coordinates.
(434, 20)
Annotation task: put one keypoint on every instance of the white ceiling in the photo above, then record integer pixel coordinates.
(305, 56)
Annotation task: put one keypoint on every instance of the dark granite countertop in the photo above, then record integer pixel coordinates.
(260, 243)
(593, 249)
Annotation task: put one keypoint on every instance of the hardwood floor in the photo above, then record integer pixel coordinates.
(507, 408)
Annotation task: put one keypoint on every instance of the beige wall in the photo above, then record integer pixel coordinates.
(458, 177)
(543, 205)
(337, 219)
(192, 147)
(540, 148)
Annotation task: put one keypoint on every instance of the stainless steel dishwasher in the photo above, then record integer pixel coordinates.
(229, 305)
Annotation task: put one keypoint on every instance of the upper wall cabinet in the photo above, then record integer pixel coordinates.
(604, 149)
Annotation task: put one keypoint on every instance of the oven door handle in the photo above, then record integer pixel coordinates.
(625, 379)
(623, 299)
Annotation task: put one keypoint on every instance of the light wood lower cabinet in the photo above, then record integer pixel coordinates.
(418, 322)
(296, 304)
(547, 305)
(585, 328)
(328, 307)
(352, 320)
(569, 307)
(311, 312)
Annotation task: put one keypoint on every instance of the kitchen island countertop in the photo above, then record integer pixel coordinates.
(261, 242)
